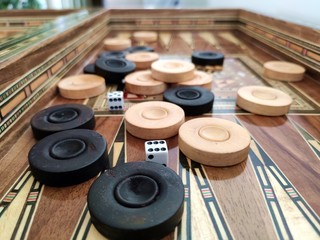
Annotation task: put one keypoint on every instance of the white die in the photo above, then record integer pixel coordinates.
(115, 101)
(156, 151)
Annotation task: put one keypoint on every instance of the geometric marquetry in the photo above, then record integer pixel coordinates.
(165, 39)
(273, 194)
(188, 38)
(231, 38)
(210, 38)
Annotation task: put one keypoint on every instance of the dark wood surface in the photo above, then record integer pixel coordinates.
(274, 194)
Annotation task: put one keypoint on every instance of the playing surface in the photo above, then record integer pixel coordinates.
(273, 194)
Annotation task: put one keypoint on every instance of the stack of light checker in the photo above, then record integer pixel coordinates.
(179, 72)
(193, 100)
(142, 83)
(163, 73)
(191, 91)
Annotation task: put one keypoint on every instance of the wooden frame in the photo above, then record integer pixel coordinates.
(274, 193)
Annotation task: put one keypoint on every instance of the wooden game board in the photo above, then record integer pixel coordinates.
(274, 194)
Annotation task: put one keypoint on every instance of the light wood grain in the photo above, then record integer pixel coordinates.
(263, 100)
(214, 142)
(172, 71)
(82, 86)
(283, 71)
(141, 82)
(154, 120)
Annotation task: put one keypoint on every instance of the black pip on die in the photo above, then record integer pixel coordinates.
(115, 101)
(157, 151)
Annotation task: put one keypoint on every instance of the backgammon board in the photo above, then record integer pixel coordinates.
(273, 194)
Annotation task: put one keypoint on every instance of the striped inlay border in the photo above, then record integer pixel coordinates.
(218, 220)
(271, 199)
(85, 228)
(12, 193)
(184, 228)
(312, 142)
(27, 103)
(262, 163)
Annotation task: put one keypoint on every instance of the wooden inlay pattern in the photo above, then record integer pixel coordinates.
(273, 194)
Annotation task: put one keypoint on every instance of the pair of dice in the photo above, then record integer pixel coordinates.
(157, 151)
(115, 101)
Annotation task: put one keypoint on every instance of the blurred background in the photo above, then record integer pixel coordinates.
(304, 12)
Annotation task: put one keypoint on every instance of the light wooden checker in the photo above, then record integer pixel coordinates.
(172, 71)
(263, 100)
(142, 83)
(145, 36)
(116, 44)
(82, 86)
(143, 60)
(214, 141)
(283, 71)
(201, 79)
(154, 120)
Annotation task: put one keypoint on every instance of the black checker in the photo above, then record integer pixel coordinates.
(193, 100)
(114, 69)
(136, 200)
(89, 69)
(62, 117)
(207, 58)
(140, 49)
(113, 54)
(69, 157)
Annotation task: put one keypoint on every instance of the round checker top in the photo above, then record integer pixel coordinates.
(81, 86)
(214, 141)
(69, 157)
(113, 54)
(142, 83)
(283, 71)
(136, 200)
(140, 49)
(60, 118)
(201, 79)
(263, 100)
(154, 120)
(143, 60)
(116, 44)
(114, 70)
(205, 58)
(145, 36)
(89, 69)
(172, 71)
(193, 100)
